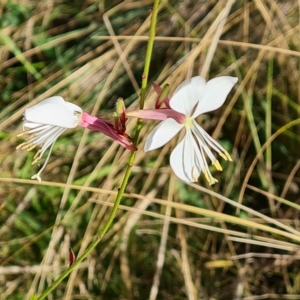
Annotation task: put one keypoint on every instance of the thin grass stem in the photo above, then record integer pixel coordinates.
(130, 160)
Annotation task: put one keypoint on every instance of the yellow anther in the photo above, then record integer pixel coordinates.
(193, 174)
(228, 156)
(211, 180)
(206, 176)
(217, 165)
(20, 146)
(225, 155)
(35, 161)
(26, 146)
(37, 154)
(22, 133)
(30, 136)
(29, 147)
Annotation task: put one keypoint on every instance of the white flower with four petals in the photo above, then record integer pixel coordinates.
(192, 98)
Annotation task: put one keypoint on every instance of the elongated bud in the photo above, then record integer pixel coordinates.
(156, 87)
(116, 121)
(120, 106)
(162, 95)
(71, 256)
(120, 116)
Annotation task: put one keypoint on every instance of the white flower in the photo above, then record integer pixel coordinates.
(193, 98)
(45, 122)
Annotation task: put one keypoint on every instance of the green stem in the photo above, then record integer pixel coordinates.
(130, 160)
(149, 53)
(139, 121)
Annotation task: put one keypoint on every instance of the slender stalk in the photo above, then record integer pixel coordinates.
(139, 121)
(130, 160)
(268, 121)
(149, 54)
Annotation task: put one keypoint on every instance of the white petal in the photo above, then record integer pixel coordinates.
(215, 94)
(187, 95)
(182, 160)
(54, 111)
(162, 133)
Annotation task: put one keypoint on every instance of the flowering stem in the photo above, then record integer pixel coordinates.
(149, 53)
(121, 190)
(139, 121)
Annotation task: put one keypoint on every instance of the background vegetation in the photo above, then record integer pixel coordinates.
(238, 239)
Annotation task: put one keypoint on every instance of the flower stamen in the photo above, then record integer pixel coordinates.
(26, 146)
(217, 165)
(225, 155)
(211, 180)
(37, 157)
(192, 98)
(37, 176)
(188, 122)
(194, 176)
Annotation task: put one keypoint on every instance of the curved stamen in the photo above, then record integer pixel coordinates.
(214, 144)
(37, 176)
